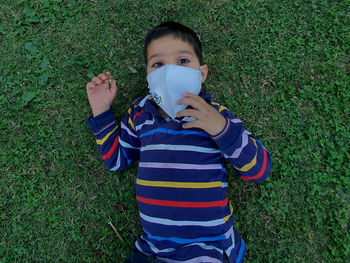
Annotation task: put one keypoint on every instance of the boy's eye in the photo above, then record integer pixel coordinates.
(157, 65)
(183, 61)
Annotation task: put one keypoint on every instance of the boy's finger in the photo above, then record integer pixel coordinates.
(113, 84)
(191, 102)
(90, 85)
(96, 81)
(191, 95)
(191, 124)
(188, 113)
(195, 97)
(102, 76)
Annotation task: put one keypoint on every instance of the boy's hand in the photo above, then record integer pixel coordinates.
(100, 94)
(207, 118)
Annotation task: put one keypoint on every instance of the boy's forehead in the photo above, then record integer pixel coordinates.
(180, 52)
(169, 45)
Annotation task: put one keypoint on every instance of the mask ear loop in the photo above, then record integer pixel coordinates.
(201, 70)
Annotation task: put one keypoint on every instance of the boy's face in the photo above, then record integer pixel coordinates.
(171, 50)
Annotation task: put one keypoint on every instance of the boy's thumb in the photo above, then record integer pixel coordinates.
(114, 87)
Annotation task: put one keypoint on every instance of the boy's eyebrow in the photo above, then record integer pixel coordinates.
(179, 52)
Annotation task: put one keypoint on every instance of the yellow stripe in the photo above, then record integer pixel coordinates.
(248, 166)
(178, 185)
(131, 123)
(101, 141)
(226, 218)
(221, 107)
(130, 120)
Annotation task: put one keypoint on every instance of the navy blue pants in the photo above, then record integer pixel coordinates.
(138, 257)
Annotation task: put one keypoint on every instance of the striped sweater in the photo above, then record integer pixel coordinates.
(181, 183)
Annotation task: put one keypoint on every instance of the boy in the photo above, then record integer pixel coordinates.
(182, 138)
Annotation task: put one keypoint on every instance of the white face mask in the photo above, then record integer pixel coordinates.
(168, 83)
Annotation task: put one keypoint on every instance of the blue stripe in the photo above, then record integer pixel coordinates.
(173, 132)
(262, 145)
(129, 161)
(172, 147)
(241, 252)
(185, 241)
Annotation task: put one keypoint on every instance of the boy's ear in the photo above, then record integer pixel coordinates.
(204, 72)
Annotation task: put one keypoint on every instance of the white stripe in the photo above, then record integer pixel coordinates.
(229, 233)
(127, 130)
(204, 246)
(235, 120)
(238, 151)
(148, 122)
(172, 147)
(143, 101)
(154, 248)
(117, 165)
(229, 250)
(140, 249)
(168, 222)
(193, 260)
(224, 131)
(126, 145)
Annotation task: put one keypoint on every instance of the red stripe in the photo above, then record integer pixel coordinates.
(182, 204)
(111, 151)
(138, 114)
(262, 171)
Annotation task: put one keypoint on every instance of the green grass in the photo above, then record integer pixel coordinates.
(280, 66)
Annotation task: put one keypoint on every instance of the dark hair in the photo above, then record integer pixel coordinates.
(177, 30)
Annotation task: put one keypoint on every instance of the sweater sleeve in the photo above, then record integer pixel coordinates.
(242, 149)
(118, 144)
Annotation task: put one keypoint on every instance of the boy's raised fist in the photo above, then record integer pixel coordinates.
(100, 94)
